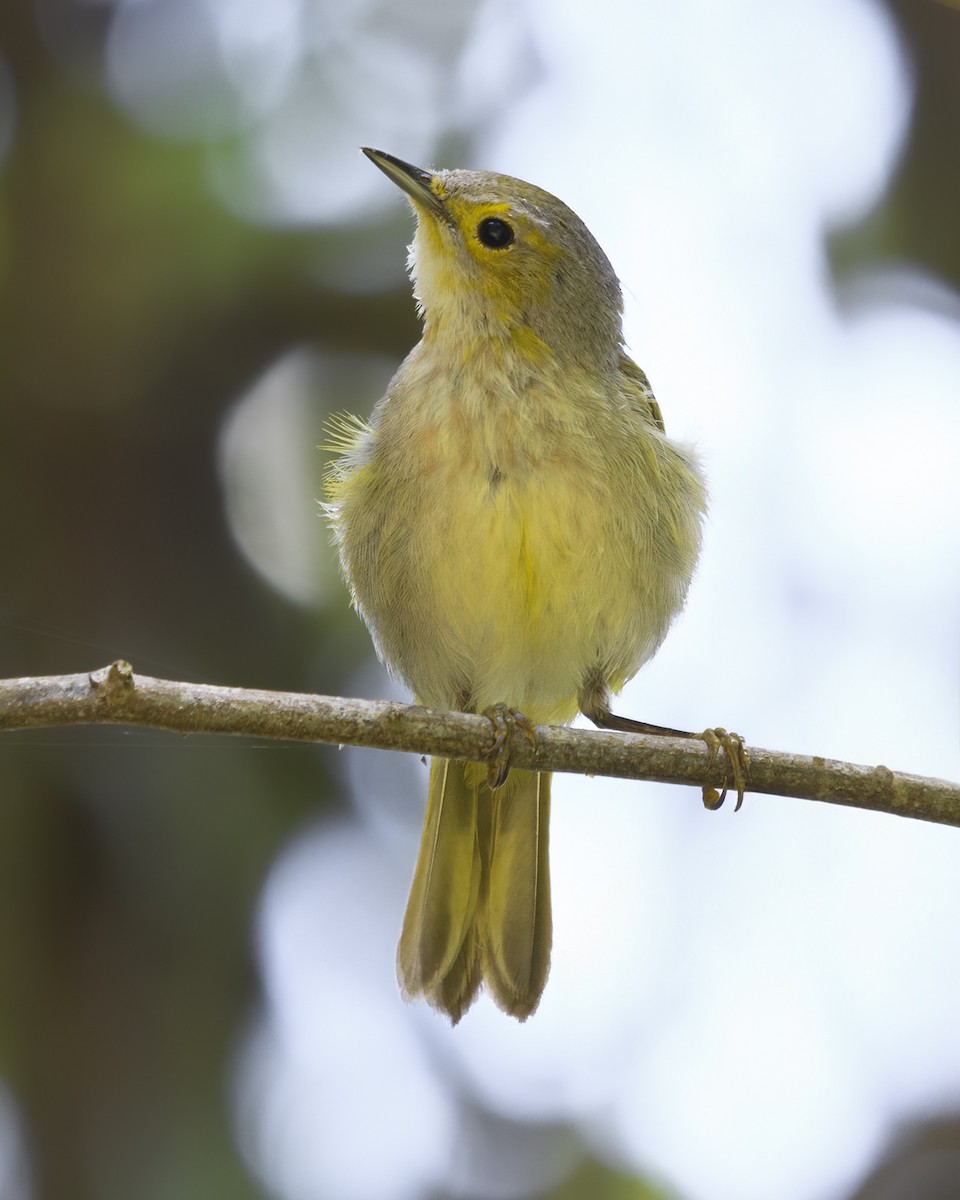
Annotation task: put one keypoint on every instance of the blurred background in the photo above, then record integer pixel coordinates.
(197, 266)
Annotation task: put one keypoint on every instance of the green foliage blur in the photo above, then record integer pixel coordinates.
(135, 308)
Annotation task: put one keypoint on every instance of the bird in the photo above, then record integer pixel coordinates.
(517, 532)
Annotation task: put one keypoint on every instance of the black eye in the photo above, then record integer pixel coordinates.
(495, 233)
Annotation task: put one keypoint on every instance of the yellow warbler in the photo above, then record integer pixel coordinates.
(518, 533)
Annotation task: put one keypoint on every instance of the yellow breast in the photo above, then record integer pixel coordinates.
(504, 539)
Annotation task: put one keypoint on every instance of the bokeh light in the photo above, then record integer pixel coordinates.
(14, 1173)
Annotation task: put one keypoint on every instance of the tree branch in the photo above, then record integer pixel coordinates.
(114, 695)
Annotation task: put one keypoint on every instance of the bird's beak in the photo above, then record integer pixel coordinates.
(417, 183)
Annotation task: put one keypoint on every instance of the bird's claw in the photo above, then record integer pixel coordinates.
(738, 763)
(504, 721)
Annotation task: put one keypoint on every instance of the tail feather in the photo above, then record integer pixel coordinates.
(458, 989)
(479, 907)
(518, 928)
(446, 883)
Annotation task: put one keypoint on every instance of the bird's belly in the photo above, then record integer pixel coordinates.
(511, 575)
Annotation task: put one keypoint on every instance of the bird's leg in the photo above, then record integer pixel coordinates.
(595, 706)
(504, 721)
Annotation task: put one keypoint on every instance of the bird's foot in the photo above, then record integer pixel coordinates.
(504, 721)
(738, 763)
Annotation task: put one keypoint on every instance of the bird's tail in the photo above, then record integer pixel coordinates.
(479, 907)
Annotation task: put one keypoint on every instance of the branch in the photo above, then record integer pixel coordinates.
(114, 695)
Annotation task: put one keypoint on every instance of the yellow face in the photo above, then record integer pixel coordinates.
(487, 248)
(498, 260)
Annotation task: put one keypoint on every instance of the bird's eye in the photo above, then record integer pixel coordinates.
(495, 233)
